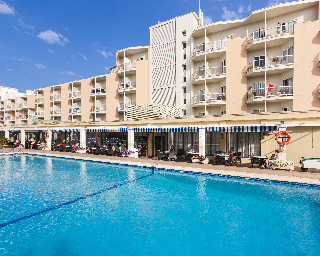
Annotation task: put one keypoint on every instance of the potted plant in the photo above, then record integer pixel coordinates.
(281, 164)
(200, 159)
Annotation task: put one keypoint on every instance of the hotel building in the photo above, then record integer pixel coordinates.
(257, 71)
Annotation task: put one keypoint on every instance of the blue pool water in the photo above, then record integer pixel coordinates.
(164, 213)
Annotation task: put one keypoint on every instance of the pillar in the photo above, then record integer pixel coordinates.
(49, 139)
(282, 148)
(202, 141)
(83, 138)
(130, 139)
(23, 136)
(6, 134)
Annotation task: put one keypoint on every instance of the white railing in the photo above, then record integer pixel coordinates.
(10, 107)
(280, 91)
(40, 114)
(215, 71)
(38, 100)
(21, 117)
(98, 91)
(55, 112)
(74, 95)
(122, 106)
(55, 98)
(211, 98)
(126, 66)
(209, 47)
(281, 30)
(270, 63)
(100, 108)
(23, 105)
(127, 86)
(74, 111)
(10, 118)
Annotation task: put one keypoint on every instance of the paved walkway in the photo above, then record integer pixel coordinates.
(282, 175)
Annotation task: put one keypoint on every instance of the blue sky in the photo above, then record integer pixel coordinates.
(44, 43)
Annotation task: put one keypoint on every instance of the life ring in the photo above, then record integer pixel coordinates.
(46, 135)
(283, 142)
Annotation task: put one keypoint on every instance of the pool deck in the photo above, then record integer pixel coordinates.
(256, 173)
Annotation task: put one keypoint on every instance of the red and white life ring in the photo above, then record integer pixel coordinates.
(46, 135)
(283, 142)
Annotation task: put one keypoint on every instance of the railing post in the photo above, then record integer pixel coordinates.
(202, 141)
(83, 138)
(130, 139)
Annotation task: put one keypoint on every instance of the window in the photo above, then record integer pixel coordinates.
(184, 67)
(184, 56)
(184, 112)
(184, 79)
(202, 95)
(223, 66)
(184, 45)
(245, 142)
(288, 51)
(212, 143)
(201, 70)
(259, 61)
(223, 89)
(184, 33)
(202, 114)
(287, 81)
(184, 90)
(184, 101)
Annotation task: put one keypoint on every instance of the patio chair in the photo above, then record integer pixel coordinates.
(110, 152)
(181, 154)
(159, 156)
(97, 151)
(238, 157)
(172, 155)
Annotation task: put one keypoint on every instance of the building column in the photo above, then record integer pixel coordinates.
(23, 136)
(282, 148)
(49, 140)
(83, 138)
(6, 134)
(130, 139)
(202, 141)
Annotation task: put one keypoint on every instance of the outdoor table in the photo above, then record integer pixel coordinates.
(223, 157)
(258, 159)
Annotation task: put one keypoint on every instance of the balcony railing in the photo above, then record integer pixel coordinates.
(97, 109)
(262, 33)
(272, 62)
(210, 47)
(211, 98)
(127, 86)
(126, 66)
(280, 91)
(55, 112)
(40, 114)
(9, 118)
(55, 98)
(122, 106)
(10, 107)
(23, 105)
(21, 117)
(98, 91)
(74, 95)
(215, 71)
(74, 111)
(38, 100)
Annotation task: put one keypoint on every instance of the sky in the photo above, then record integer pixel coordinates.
(44, 43)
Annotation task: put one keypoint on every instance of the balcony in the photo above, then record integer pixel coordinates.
(129, 67)
(123, 107)
(1, 118)
(213, 50)
(39, 114)
(39, 101)
(21, 117)
(275, 94)
(210, 99)
(273, 36)
(74, 95)
(216, 73)
(9, 118)
(98, 109)
(98, 92)
(75, 111)
(55, 112)
(128, 87)
(23, 105)
(11, 107)
(273, 65)
(55, 98)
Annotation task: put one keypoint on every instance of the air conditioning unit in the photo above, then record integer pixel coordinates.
(223, 112)
(257, 111)
(286, 109)
(202, 113)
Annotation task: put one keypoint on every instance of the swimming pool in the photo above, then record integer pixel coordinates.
(161, 213)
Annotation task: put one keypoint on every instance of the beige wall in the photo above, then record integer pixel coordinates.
(30, 101)
(306, 74)
(65, 103)
(86, 101)
(47, 104)
(236, 81)
(143, 84)
(112, 98)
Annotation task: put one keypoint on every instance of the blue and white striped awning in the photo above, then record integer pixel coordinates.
(66, 130)
(167, 129)
(121, 129)
(242, 128)
(14, 130)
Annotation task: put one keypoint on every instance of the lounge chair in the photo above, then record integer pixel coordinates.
(172, 155)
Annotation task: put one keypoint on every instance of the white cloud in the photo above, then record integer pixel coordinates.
(51, 51)
(104, 53)
(206, 20)
(6, 9)
(28, 29)
(52, 37)
(71, 73)
(229, 15)
(249, 7)
(8, 69)
(84, 57)
(40, 66)
(241, 9)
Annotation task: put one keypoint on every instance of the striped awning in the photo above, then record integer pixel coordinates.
(167, 129)
(66, 130)
(34, 131)
(121, 129)
(14, 130)
(242, 128)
